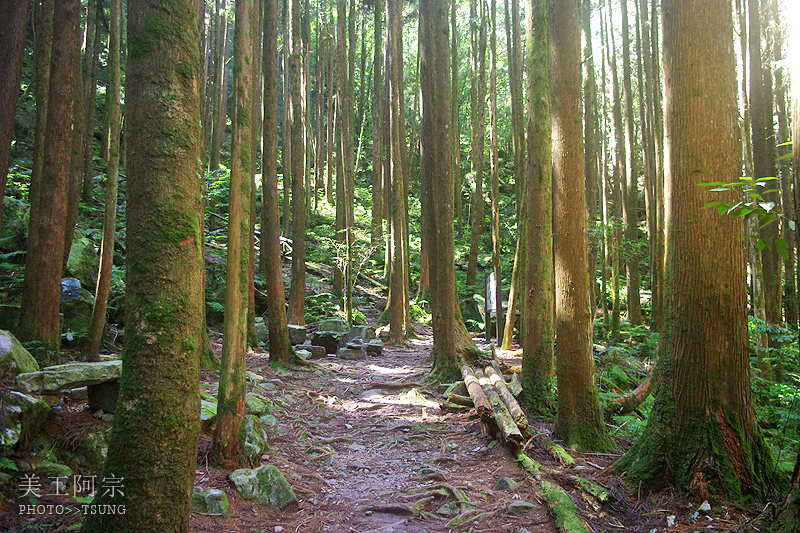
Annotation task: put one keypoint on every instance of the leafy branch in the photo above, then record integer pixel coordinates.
(752, 204)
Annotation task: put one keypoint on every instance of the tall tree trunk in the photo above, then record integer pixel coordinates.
(75, 180)
(590, 138)
(286, 129)
(13, 26)
(495, 170)
(478, 113)
(702, 434)
(378, 118)
(97, 329)
(455, 137)
(228, 443)
(91, 60)
(319, 152)
(41, 291)
(579, 419)
(280, 348)
(764, 166)
(153, 446)
(297, 291)
(536, 273)
(450, 335)
(255, 102)
(394, 74)
(220, 85)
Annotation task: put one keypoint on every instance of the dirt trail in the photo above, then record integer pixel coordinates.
(361, 454)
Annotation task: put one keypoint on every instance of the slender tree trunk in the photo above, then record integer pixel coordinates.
(97, 329)
(702, 434)
(153, 446)
(478, 113)
(630, 198)
(280, 348)
(91, 61)
(228, 441)
(579, 420)
(331, 164)
(455, 137)
(537, 281)
(75, 180)
(495, 170)
(297, 292)
(255, 102)
(220, 85)
(590, 138)
(319, 152)
(286, 129)
(378, 118)
(41, 291)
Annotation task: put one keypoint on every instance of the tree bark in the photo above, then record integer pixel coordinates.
(579, 419)
(96, 333)
(495, 170)
(297, 291)
(590, 137)
(220, 85)
(378, 118)
(153, 446)
(536, 273)
(702, 433)
(228, 441)
(41, 291)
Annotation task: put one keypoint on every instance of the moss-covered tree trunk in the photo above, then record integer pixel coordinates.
(153, 445)
(455, 136)
(297, 291)
(537, 282)
(378, 118)
(280, 349)
(591, 164)
(231, 397)
(13, 25)
(702, 434)
(579, 420)
(41, 291)
(91, 63)
(96, 333)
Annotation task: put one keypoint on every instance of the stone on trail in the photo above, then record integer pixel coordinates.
(330, 340)
(23, 414)
(14, 358)
(297, 334)
(217, 502)
(374, 347)
(334, 324)
(264, 484)
(505, 483)
(352, 354)
(362, 334)
(49, 383)
(520, 507)
(318, 352)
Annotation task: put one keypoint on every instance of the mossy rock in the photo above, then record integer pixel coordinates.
(198, 498)
(89, 455)
(24, 415)
(216, 502)
(264, 484)
(257, 405)
(334, 324)
(14, 358)
(257, 438)
(76, 308)
(83, 262)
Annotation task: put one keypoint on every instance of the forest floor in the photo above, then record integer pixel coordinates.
(368, 447)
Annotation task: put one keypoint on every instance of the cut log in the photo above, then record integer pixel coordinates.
(510, 402)
(479, 399)
(457, 399)
(558, 453)
(505, 422)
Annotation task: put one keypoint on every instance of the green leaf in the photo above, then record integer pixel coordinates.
(762, 244)
(782, 247)
(792, 225)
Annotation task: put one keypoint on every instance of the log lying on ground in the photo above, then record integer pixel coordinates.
(477, 394)
(510, 402)
(558, 453)
(457, 399)
(568, 518)
(631, 401)
(505, 422)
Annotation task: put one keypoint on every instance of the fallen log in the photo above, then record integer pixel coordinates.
(457, 399)
(558, 453)
(479, 399)
(627, 403)
(510, 402)
(505, 422)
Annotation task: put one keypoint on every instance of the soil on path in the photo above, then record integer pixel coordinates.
(365, 443)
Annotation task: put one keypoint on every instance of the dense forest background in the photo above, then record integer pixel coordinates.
(624, 168)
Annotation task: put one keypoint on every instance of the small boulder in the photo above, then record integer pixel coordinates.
(198, 498)
(305, 355)
(83, 262)
(217, 502)
(297, 334)
(70, 376)
(23, 414)
(76, 308)
(256, 440)
(264, 484)
(351, 354)
(330, 340)
(506, 483)
(318, 352)
(334, 324)
(520, 507)
(374, 347)
(104, 396)
(362, 334)
(14, 358)
(257, 405)
(262, 332)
